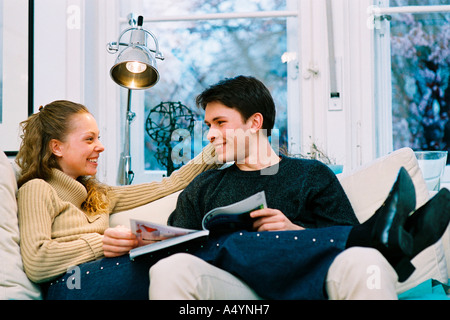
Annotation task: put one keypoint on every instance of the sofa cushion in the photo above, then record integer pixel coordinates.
(367, 188)
(14, 284)
(157, 211)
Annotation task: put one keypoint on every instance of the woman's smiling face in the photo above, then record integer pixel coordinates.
(79, 152)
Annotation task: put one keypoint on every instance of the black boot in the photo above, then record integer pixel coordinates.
(428, 223)
(385, 231)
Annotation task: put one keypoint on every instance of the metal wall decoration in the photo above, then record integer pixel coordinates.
(162, 122)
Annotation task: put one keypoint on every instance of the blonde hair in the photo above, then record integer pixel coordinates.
(36, 159)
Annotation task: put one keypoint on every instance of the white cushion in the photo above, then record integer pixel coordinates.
(367, 188)
(14, 284)
(157, 211)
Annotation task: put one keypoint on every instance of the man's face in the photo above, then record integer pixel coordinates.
(228, 132)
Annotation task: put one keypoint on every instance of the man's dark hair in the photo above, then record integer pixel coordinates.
(245, 94)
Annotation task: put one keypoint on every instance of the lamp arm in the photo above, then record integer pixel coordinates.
(158, 54)
(113, 47)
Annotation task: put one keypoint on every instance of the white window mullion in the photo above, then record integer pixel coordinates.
(321, 81)
(383, 84)
(294, 79)
(224, 16)
(309, 71)
(385, 10)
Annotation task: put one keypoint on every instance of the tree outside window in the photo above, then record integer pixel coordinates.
(420, 46)
(201, 53)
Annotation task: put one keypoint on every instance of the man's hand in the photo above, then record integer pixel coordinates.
(118, 241)
(272, 220)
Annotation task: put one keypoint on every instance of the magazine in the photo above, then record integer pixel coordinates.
(153, 237)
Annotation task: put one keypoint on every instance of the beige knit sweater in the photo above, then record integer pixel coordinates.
(56, 234)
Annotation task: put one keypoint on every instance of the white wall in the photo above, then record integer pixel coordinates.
(15, 73)
(52, 80)
(71, 63)
(343, 128)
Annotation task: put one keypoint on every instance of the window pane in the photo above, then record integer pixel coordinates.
(420, 79)
(201, 53)
(157, 8)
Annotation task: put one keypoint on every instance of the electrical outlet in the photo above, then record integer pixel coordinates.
(335, 103)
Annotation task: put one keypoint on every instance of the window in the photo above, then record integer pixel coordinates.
(204, 42)
(420, 74)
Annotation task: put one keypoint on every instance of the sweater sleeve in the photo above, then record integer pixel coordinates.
(188, 212)
(328, 201)
(129, 197)
(45, 258)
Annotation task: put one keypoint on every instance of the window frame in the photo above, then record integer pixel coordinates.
(348, 134)
(137, 134)
(381, 12)
(361, 130)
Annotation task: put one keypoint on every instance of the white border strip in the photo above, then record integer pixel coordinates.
(222, 16)
(410, 9)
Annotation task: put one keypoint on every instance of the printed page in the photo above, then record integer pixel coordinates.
(149, 232)
(235, 215)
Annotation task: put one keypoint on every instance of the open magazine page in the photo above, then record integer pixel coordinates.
(148, 232)
(235, 216)
(154, 237)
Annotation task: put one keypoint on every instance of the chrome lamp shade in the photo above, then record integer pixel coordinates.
(135, 68)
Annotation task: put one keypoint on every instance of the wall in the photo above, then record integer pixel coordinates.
(343, 128)
(71, 63)
(14, 72)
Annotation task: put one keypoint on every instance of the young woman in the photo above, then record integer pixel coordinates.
(66, 242)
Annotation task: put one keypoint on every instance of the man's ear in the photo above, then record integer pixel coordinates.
(56, 147)
(257, 120)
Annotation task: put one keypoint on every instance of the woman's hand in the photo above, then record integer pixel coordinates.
(118, 241)
(272, 220)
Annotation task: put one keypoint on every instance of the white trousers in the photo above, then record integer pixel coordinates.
(356, 274)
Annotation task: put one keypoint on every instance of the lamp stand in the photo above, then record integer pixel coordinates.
(126, 175)
(135, 68)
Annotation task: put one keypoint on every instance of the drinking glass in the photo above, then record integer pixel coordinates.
(432, 164)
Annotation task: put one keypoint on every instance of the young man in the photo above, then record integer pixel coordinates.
(315, 240)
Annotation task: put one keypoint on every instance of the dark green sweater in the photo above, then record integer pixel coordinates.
(306, 191)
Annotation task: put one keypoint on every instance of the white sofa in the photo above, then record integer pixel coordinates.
(366, 187)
